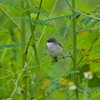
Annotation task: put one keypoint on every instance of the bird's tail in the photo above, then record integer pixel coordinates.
(55, 59)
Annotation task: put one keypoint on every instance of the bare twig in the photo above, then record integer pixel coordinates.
(30, 68)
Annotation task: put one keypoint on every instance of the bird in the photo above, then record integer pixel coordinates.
(53, 48)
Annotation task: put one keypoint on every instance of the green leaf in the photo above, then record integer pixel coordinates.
(62, 28)
(83, 69)
(94, 82)
(8, 46)
(40, 22)
(10, 4)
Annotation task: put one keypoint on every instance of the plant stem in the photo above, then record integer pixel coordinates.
(32, 37)
(85, 88)
(23, 37)
(16, 82)
(32, 40)
(43, 32)
(74, 37)
(69, 5)
(75, 78)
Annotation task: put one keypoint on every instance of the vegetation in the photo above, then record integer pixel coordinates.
(27, 72)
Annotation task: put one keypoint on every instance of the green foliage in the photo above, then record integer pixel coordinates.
(26, 72)
(95, 90)
(35, 21)
(10, 4)
(9, 46)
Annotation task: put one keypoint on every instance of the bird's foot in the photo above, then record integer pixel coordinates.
(53, 61)
(63, 57)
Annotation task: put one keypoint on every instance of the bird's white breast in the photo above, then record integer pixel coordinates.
(49, 44)
(53, 49)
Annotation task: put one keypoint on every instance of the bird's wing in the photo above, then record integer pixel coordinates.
(59, 44)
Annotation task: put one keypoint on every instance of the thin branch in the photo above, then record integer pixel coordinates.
(71, 96)
(46, 26)
(10, 17)
(93, 42)
(89, 48)
(75, 77)
(88, 15)
(79, 31)
(34, 26)
(16, 83)
(30, 68)
(69, 5)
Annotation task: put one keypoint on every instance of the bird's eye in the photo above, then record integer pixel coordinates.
(49, 41)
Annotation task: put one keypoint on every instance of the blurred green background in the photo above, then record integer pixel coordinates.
(18, 21)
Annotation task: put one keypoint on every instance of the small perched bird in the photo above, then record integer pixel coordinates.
(54, 48)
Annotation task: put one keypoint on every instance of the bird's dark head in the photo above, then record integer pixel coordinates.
(52, 40)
